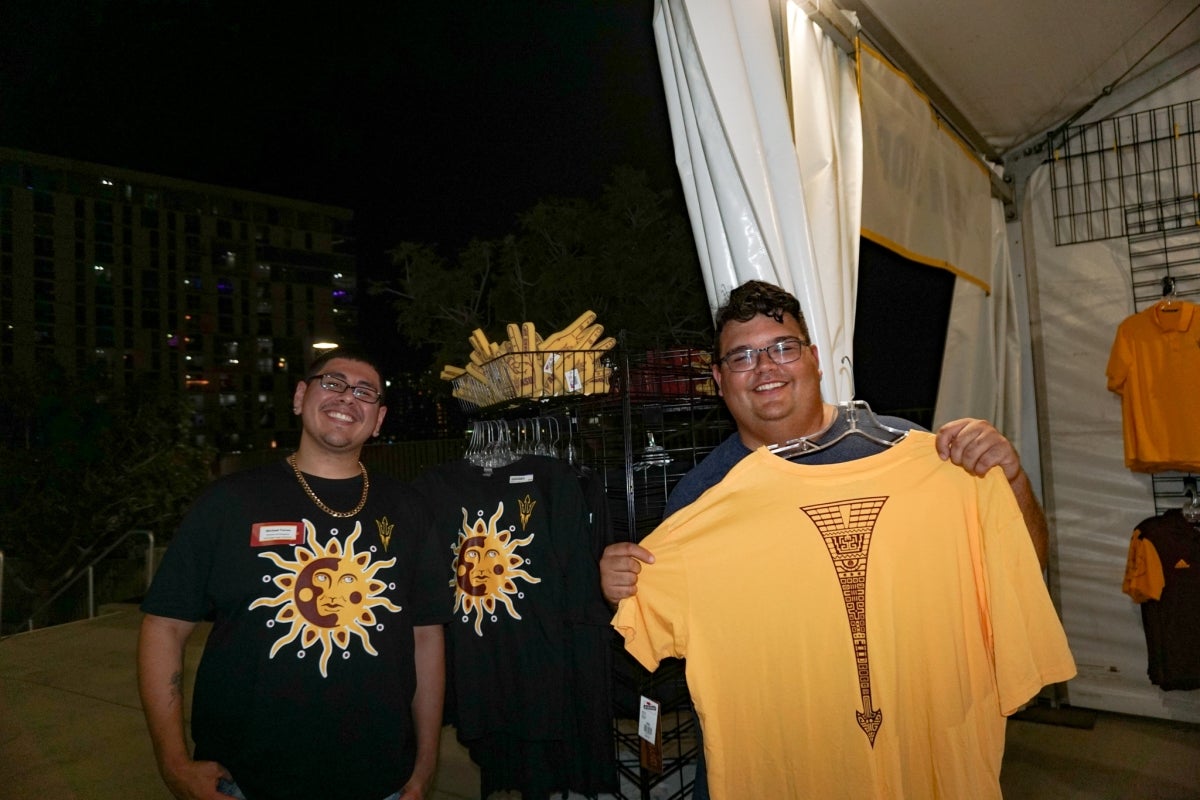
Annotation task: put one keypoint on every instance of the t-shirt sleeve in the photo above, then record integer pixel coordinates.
(654, 621)
(1029, 645)
(180, 586)
(1119, 360)
(432, 571)
(583, 602)
(1144, 578)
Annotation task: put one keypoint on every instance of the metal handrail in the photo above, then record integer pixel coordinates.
(89, 570)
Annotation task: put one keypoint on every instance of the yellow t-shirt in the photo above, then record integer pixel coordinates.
(1155, 366)
(856, 630)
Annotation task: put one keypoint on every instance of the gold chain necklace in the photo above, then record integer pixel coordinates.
(313, 495)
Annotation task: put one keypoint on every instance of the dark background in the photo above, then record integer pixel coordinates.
(435, 123)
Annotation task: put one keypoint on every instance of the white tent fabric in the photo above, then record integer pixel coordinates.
(1080, 293)
(827, 126)
(1092, 502)
(745, 178)
(926, 195)
(1018, 69)
(981, 364)
(789, 209)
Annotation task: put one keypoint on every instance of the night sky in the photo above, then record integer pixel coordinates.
(436, 122)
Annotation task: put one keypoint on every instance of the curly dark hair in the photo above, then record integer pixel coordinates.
(753, 298)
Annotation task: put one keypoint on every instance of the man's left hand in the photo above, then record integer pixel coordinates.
(976, 446)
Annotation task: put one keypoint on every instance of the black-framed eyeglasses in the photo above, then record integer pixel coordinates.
(333, 383)
(785, 351)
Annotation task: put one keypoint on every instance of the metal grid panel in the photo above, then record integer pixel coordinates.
(1125, 175)
(1171, 490)
(1136, 176)
(1165, 260)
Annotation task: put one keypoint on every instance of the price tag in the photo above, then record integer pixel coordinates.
(651, 735)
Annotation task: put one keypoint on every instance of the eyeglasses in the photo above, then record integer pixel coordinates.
(785, 351)
(333, 383)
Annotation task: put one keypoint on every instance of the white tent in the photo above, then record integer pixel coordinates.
(930, 133)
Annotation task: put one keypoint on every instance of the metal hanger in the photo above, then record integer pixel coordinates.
(1170, 299)
(860, 421)
(1191, 501)
(490, 444)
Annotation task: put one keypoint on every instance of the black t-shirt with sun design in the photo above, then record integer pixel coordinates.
(528, 646)
(307, 678)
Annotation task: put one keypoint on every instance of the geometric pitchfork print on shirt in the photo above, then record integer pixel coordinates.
(327, 595)
(486, 568)
(846, 526)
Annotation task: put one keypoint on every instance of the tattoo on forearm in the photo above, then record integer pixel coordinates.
(176, 687)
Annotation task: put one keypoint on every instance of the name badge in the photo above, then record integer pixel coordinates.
(269, 534)
(520, 479)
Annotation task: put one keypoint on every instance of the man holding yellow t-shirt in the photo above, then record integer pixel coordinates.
(763, 535)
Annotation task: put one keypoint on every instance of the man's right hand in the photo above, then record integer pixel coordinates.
(195, 780)
(619, 567)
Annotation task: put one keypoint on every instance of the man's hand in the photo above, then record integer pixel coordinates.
(194, 780)
(619, 567)
(976, 446)
(413, 790)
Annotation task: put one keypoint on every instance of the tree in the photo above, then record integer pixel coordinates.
(82, 467)
(629, 256)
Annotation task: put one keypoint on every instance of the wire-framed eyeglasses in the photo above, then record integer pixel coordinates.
(333, 383)
(785, 351)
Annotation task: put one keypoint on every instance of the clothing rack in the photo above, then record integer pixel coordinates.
(659, 417)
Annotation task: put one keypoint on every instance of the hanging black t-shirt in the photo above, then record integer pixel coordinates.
(528, 686)
(307, 678)
(1172, 622)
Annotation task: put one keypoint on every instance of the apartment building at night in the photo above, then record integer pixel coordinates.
(154, 282)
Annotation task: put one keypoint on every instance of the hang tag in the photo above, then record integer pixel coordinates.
(650, 735)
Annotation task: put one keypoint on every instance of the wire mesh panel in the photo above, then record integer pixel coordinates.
(1171, 490)
(1136, 176)
(1105, 175)
(662, 417)
(1165, 262)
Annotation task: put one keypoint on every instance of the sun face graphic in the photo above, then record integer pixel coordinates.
(486, 568)
(327, 595)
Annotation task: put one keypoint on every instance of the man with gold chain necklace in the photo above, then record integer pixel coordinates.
(323, 674)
